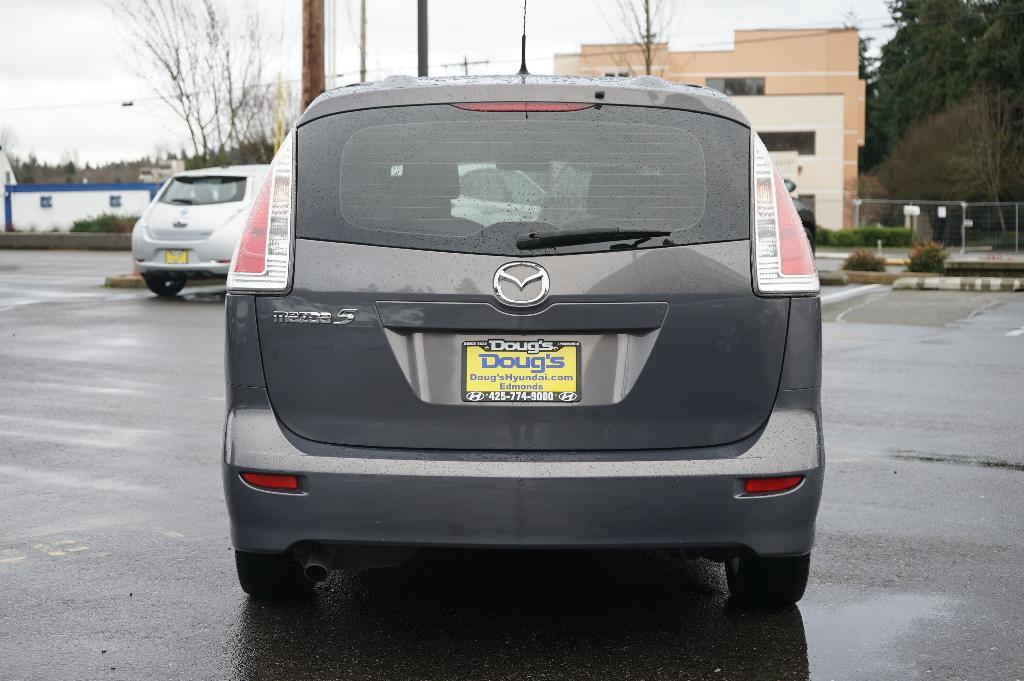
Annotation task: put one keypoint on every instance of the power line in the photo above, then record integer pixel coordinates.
(619, 51)
(465, 64)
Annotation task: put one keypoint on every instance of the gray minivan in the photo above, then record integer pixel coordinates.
(523, 312)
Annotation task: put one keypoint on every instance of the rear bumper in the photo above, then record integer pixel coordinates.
(208, 257)
(607, 499)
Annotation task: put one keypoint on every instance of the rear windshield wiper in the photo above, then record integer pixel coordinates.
(186, 201)
(592, 235)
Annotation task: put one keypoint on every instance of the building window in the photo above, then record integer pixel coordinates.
(115, 200)
(620, 74)
(808, 200)
(737, 87)
(46, 202)
(802, 142)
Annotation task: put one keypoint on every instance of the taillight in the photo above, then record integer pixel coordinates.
(284, 483)
(771, 485)
(783, 262)
(523, 106)
(262, 262)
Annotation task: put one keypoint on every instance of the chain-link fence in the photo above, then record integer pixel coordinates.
(956, 224)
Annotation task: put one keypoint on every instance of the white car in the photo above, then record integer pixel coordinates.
(193, 224)
(490, 195)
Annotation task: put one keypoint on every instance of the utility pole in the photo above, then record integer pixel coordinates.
(362, 41)
(422, 35)
(465, 64)
(330, 44)
(312, 50)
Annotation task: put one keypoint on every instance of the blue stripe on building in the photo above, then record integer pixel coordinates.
(151, 187)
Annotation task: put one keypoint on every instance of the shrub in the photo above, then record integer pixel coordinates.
(928, 257)
(864, 261)
(107, 222)
(892, 237)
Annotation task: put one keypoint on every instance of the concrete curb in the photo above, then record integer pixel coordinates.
(958, 284)
(124, 281)
(1002, 268)
(833, 278)
(825, 255)
(856, 277)
(66, 241)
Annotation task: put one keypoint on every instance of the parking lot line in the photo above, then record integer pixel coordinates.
(849, 293)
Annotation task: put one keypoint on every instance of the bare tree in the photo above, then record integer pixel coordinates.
(972, 151)
(8, 140)
(646, 24)
(996, 154)
(207, 70)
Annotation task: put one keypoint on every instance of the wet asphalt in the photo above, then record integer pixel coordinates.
(115, 561)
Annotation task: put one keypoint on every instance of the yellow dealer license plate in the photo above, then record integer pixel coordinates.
(498, 370)
(176, 257)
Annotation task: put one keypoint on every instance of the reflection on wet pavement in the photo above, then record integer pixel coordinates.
(861, 638)
(535, 614)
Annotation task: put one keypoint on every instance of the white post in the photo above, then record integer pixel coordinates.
(963, 226)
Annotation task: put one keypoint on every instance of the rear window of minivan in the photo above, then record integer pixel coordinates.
(440, 177)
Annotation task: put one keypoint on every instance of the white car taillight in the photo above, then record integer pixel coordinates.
(262, 262)
(783, 264)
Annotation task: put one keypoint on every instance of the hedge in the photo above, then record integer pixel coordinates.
(864, 261)
(892, 237)
(930, 257)
(107, 222)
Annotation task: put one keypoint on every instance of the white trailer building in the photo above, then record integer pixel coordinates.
(54, 207)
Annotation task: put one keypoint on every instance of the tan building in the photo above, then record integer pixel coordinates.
(799, 88)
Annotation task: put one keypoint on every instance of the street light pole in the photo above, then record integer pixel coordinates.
(422, 36)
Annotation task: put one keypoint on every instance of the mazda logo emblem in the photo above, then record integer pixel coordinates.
(521, 284)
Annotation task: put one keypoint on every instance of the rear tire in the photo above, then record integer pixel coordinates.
(271, 575)
(162, 285)
(758, 582)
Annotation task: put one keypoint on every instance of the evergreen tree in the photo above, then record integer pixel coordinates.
(925, 68)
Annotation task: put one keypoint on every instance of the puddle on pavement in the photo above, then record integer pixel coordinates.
(200, 294)
(979, 462)
(862, 639)
(203, 296)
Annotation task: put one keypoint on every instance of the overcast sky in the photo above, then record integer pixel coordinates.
(64, 67)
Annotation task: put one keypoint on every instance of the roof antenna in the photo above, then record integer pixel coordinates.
(522, 67)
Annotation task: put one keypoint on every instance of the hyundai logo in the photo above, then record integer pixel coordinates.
(521, 284)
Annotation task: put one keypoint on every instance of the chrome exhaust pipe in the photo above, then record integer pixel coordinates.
(316, 564)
